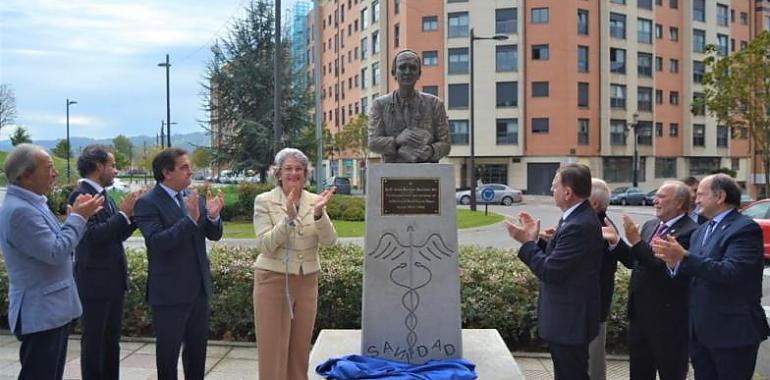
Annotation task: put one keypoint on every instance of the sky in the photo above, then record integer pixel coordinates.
(104, 55)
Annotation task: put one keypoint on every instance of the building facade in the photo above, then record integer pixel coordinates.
(573, 81)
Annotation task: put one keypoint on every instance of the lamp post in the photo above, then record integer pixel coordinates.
(167, 65)
(69, 103)
(635, 126)
(474, 37)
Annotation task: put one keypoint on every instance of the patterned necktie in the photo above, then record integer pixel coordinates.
(709, 231)
(180, 200)
(660, 231)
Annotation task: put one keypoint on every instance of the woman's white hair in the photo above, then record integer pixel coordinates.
(285, 154)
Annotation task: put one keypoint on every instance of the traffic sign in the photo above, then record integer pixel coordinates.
(487, 194)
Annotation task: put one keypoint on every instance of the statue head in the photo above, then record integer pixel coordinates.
(407, 68)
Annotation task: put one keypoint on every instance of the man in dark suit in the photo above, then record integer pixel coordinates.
(568, 269)
(724, 263)
(657, 303)
(175, 224)
(100, 266)
(694, 211)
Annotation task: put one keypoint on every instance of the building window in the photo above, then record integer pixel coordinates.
(698, 40)
(722, 44)
(621, 169)
(644, 31)
(430, 58)
(644, 4)
(506, 21)
(658, 96)
(507, 132)
(703, 165)
(617, 132)
(458, 96)
(722, 15)
(506, 58)
(540, 125)
(722, 136)
(658, 63)
(582, 64)
(658, 129)
(644, 64)
(433, 90)
(618, 96)
(618, 26)
(582, 22)
(429, 23)
(673, 98)
(363, 78)
(458, 61)
(375, 11)
(699, 10)
(583, 94)
(458, 132)
(644, 98)
(658, 31)
(364, 105)
(539, 89)
(364, 48)
(665, 167)
(458, 24)
(673, 130)
(644, 132)
(582, 132)
(396, 35)
(540, 52)
(698, 69)
(744, 18)
(618, 60)
(375, 74)
(673, 66)
(673, 4)
(507, 94)
(622, 2)
(364, 18)
(396, 6)
(539, 16)
(698, 135)
(376, 42)
(673, 33)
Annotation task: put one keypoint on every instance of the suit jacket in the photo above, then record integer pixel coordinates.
(726, 283)
(568, 269)
(274, 234)
(386, 121)
(657, 303)
(100, 260)
(38, 256)
(176, 248)
(606, 275)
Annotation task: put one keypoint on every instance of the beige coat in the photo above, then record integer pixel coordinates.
(274, 234)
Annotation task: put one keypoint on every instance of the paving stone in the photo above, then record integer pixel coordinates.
(242, 353)
(236, 366)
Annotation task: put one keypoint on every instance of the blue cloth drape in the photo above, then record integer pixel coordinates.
(356, 367)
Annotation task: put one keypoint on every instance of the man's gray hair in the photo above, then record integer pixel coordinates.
(600, 193)
(681, 193)
(21, 161)
(285, 154)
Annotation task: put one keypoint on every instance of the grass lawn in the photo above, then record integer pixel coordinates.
(465, 219)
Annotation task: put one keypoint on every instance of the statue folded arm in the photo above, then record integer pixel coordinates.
(379, 141)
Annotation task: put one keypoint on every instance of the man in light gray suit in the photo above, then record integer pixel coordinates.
(42, 296)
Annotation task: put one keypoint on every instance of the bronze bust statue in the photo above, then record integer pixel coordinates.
(408, 126)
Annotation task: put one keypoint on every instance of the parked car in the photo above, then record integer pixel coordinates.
(746, 200)
(627, 196)
(503, 194)
(760, 212)
(649, 198)
(342, 184)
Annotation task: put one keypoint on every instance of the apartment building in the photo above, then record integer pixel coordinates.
(572, 81)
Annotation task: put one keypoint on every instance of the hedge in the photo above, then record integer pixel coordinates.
(497, 291)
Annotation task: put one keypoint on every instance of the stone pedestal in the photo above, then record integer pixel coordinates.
(483, 347)
(411, 300)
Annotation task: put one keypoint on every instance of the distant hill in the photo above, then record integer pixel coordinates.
(187, 141)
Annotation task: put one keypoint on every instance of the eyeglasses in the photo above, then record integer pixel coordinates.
(293, 168)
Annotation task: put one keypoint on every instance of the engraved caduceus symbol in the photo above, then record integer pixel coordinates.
(418, 274)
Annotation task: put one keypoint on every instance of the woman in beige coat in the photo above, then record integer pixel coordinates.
(290, 223)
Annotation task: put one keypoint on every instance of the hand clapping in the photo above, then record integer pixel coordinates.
(86, 205)
(526, 230)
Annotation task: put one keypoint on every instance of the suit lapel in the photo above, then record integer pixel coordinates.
(715, 235)
(171, 205)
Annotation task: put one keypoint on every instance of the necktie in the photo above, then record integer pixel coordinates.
(180, 200)
(108, 202)
(660, 231)
(709, 230)
(561, 221)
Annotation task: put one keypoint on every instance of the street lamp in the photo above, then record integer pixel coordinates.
(635, 126)
(473, 37)
(167, 65)
(69, 103)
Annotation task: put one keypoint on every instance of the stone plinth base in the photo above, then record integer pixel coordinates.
(485, 348)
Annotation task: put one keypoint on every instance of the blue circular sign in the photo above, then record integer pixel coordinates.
(487, 194)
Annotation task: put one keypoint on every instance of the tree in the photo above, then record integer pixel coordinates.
(20, 136)
(238, 95)
(737, 94)
(60, 150)
(201, 157)
(121, 144)
(354, 136)
(7, 106)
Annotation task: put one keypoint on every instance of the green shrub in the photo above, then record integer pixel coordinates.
(57, 199)
(497, 291)
(347, 207)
